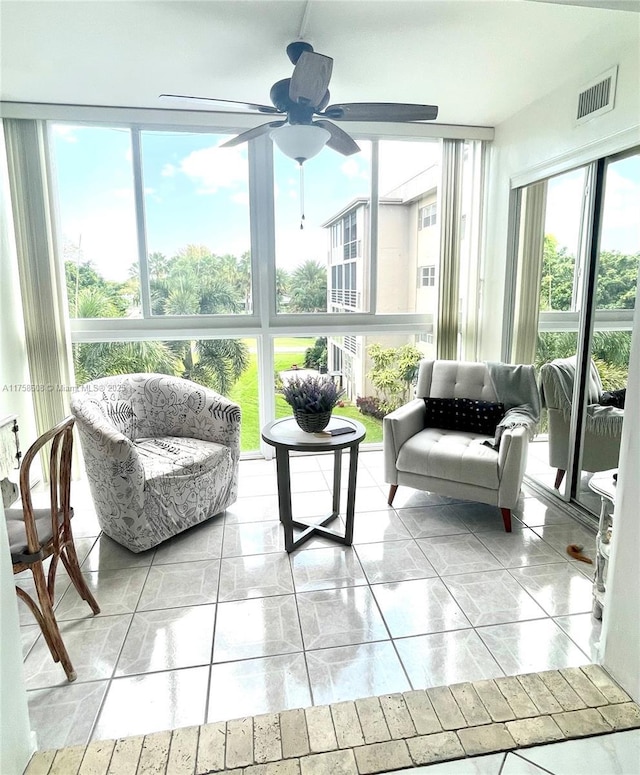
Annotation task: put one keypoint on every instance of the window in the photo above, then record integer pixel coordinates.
(196, 210)
(97, 220)
(189, 238)
(344, 290)
(309, 250)
(427, 216)
(427, 277)
(165, 227)
(350, 229)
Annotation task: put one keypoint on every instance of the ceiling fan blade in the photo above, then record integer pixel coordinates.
(340, 141)
(380, 111)
(310, 78)
(251, 133)
(229, 104)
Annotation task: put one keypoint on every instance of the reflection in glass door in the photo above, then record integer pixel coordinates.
(614, 302)
(564, 289)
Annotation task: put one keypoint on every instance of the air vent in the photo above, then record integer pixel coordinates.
(597, 96)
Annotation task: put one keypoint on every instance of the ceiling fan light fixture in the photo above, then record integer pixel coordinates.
(300, 141)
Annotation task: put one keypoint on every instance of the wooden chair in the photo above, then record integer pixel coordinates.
(35, 534)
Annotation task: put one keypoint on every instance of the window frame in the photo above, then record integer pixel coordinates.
(263, 323)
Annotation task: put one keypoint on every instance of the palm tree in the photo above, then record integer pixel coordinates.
(309, 288)
(282, 287)
(215, 363)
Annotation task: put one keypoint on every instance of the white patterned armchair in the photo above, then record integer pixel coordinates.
(161, 454)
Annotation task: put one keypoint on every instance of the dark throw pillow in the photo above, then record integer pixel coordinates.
(442, 413)
(463, 414)
(613, 398)
(480, 416)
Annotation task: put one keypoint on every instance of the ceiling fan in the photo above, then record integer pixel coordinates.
(306, 95)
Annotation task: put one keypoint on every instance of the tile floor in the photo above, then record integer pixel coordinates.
(616, 753)
(221, 623)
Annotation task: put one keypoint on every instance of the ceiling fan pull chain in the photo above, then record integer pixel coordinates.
(301, 195)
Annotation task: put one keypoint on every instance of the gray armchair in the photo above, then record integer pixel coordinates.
(161, 454)
(603, 424)
(458, 463)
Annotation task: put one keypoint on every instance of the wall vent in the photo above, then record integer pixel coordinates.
(597, 96)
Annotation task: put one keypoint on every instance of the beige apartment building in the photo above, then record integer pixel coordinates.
(407, 272)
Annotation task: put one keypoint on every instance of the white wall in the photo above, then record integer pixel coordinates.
(538, 141)
(620, 641)
(544, 138)
(15, 742)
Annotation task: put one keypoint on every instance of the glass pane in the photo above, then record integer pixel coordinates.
(342, 359)
(616, 284)
(227, 366)
(197, 222)
(560, 287)
(93, 187)
(408, 228)
(309, 250)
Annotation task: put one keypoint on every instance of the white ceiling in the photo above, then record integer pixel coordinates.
(479, 60)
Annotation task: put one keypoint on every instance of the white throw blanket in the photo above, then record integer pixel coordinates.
(516, 387)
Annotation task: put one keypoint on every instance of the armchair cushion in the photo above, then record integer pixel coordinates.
(450, 455)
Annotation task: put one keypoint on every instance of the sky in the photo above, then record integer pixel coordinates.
(197, 193)
(621, 219)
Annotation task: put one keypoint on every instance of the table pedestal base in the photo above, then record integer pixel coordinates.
(309, 530)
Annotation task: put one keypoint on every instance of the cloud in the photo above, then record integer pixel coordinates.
(241, 198)
(215, 168)
(169, 170)
(66, 133)
(353, 168)
(108, 238)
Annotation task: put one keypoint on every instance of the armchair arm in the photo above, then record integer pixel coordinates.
(512, 461)
(113, 465)
(604, 420)
(218, 420)
(397, 427)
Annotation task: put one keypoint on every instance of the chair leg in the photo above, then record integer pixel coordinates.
(559, 477)
(392, 493)
(70, 562)
(49, 625)
(506, 518)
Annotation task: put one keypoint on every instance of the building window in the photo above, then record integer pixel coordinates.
(427, 216)
(426, 276)
(343, 284)
(350, 236)
(336, 234)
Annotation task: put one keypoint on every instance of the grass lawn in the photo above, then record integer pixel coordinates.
(245, 393)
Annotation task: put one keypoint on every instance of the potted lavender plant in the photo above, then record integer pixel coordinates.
(312, 400)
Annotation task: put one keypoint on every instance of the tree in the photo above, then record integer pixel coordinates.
(83, 276)
(316, 357)
(309, 288)
(194, 282)
(617, 277)
(556, 287)
(393, 374)
(282, 288)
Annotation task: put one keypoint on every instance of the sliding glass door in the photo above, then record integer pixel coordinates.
(578, 250)
(615, 276)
